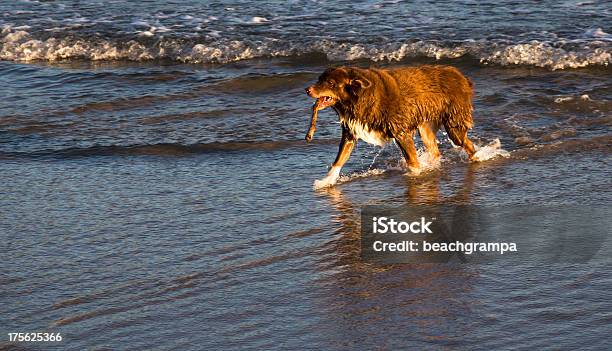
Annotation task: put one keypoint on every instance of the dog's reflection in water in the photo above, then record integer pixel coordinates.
(366, 296)
(423, 190)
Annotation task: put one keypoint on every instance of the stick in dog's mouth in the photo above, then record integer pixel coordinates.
(321, 103)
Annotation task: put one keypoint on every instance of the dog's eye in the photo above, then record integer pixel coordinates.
(331, 83)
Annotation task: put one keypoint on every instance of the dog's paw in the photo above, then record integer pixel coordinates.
(329, 180)
(324, 183)
(414, 170)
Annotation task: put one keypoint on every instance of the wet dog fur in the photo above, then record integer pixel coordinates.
(381, 105)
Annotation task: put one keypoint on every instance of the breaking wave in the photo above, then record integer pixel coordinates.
(20, 45)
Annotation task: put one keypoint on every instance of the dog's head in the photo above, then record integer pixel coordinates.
(338, 84)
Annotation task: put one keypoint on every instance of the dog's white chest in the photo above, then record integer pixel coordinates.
(364, 133)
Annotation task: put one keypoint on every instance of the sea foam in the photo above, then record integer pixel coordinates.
(151, 43)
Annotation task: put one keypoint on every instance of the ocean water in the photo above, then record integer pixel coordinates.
(157, 189)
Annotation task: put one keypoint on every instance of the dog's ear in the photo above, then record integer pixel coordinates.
(358, 81)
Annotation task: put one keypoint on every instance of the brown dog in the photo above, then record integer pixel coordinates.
(380, 105)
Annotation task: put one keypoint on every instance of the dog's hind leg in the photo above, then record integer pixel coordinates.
(347, 144)
(406, 144)
(459, 137)
(428, 135)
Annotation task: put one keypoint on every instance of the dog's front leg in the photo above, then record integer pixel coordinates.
(344, 152)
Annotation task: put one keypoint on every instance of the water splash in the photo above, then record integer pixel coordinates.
(490, 151)
(357, 175)
(427, 161)
(380, 151)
